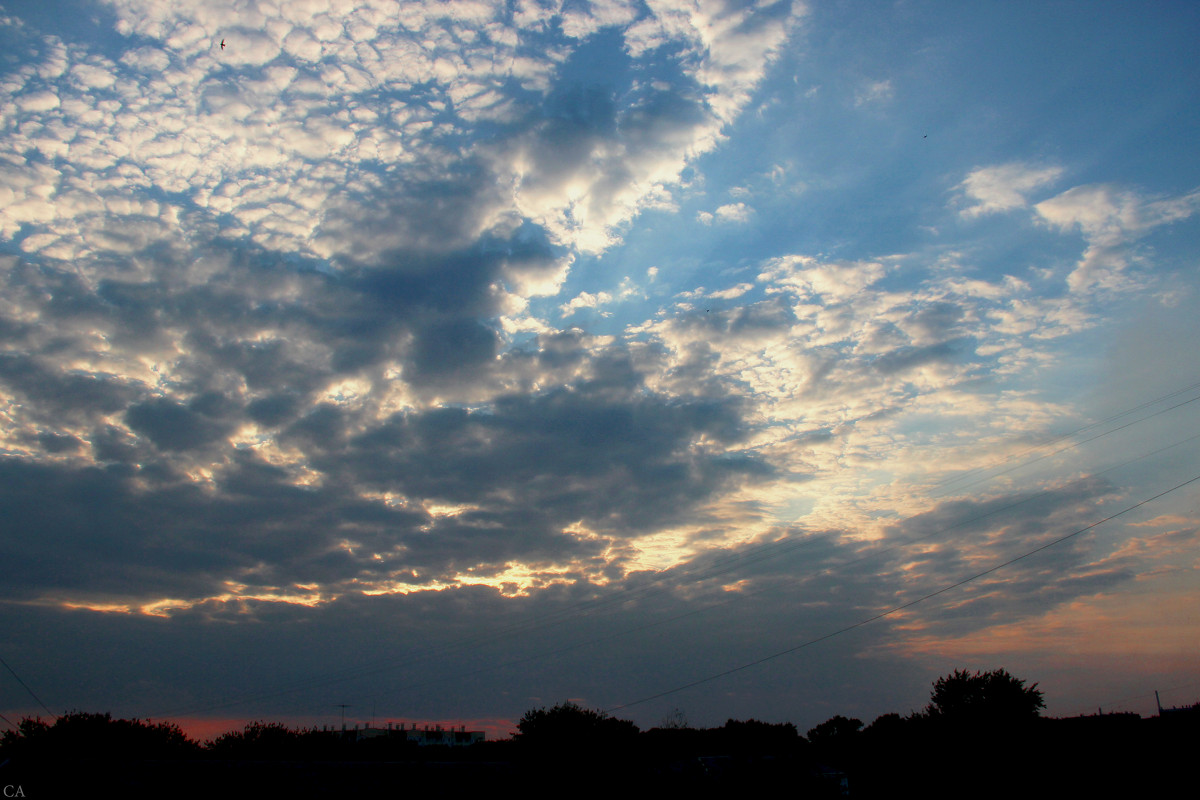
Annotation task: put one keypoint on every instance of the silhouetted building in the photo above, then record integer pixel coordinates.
(1176, 712)
(452, 737)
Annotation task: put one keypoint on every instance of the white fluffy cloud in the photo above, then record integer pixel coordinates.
(1110, 219)
(728, 213)
(240, 130)
(1004, 187)
(585, 300)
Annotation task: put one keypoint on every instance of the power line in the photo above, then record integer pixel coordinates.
(25, 686)
(589, 608)
(1124, 701)
(901, 607)
(1065, 437)
(670, 579)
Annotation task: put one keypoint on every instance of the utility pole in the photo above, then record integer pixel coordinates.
(343, 707)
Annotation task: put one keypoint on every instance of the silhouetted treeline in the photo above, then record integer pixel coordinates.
(81, 735)
(980, 735)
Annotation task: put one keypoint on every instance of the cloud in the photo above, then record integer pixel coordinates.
(832, 282)
(729, 213)
(959, 539)
(874, 92)
(732, 292)
(173, 426)
(1001, 188)
(844, 372)
(580, 173)
(585, 300)
(604, 454)
(1110, 219)
(39, 101)
(375, 251)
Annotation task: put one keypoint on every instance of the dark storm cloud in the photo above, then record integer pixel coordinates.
(273, 409)
(811, 583)
(602, 450)
(609, 645)
(129, 533)
(440, 653)
(174, 426)
(54, 395)
(936, 321)
(452, 346)
(281, 334)
(578, 117)
(85, 530)
(416, 262)
(662, 114)
(440, 214)
(418, 257)
(56, 443)
(961, 538)
(116, 445)
(905, 358)
(278, 366)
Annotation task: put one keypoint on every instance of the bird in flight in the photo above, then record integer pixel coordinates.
(222, 44)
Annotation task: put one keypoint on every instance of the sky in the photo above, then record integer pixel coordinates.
(444, 360)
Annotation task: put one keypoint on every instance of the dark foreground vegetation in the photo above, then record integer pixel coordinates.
(981, 735)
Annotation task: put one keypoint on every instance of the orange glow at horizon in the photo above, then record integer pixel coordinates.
(204, 729)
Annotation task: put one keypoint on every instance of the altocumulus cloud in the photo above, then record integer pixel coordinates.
(272, 277)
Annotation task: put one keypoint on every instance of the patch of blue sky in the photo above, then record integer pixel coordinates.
(83, 22)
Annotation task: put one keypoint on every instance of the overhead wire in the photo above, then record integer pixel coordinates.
(659, 585)
(901, 607)
(1064, 437)
(589, 608)
(741, 596)
(25, 686)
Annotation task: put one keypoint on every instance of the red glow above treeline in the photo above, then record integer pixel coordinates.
(203, 729)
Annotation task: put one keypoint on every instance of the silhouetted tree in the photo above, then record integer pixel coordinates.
(675, 721)
(257, 740)
(835, 730)
(84, 735)
(978, 724)
(567, 739)
(567, 724)
(886, 725)
(754, 736)
(835, 741)
(995, 697)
